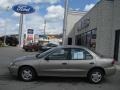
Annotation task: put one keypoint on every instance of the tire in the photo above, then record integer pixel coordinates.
(95, 76)
(26, 50)
(27, 74)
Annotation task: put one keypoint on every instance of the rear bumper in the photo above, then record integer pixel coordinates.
(110, 71)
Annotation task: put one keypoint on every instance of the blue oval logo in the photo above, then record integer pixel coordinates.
(23, 9)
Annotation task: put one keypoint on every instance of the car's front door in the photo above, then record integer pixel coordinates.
(56, 63)
(81, 61)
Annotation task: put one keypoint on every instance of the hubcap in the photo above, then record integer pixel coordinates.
(96, 77)
(27, 74)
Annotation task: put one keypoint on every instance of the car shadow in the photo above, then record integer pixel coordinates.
(50, 79)
(46, 79)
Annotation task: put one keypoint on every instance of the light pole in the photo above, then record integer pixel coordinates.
(5, 29)
(22, 9)
(5, 35)
(65, 21)
(20, 30)
(44, 29)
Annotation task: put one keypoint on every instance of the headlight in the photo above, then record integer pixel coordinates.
(12, 64)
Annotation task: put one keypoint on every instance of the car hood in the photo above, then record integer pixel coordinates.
(29, 57)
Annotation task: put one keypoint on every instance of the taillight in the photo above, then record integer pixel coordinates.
(113, 62)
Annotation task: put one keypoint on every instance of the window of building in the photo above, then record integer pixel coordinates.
(84, 39)
(87, 39)
(69, 41)
(78, 40)
(93, 39)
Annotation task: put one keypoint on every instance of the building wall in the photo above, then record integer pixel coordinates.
(101, 18)
(72, 18)
(116, 14)
(117, 21)
(105, 17)
(105, 27)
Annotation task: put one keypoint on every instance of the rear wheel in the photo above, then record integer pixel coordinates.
(26, 50)
(27, 74)
(95, 76)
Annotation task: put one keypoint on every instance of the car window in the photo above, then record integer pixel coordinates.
(60, 54)
(80, 54)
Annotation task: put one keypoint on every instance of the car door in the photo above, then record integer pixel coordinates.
(81, 61)
(56, 63)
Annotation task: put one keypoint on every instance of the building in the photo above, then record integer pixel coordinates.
(99, 29)
(50, 38)
(72, 18)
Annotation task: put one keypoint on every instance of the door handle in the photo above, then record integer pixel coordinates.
(91, 63)
(64, 63)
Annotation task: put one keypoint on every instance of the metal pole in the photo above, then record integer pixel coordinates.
(5, 30)
(65, 21)
(44, 27)
(5, 37)
(20, 30)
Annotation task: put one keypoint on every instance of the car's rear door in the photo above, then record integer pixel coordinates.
(81, 61)
(56, 63)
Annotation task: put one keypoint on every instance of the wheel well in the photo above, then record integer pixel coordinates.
(100, 68)
(27, 66)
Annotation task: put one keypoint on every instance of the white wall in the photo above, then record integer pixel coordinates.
(104, 28)
(72, 18)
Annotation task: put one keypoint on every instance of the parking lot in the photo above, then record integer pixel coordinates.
(7, 82)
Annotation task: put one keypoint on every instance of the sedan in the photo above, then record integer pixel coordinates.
(47, 47)
(31, 47)
(64, 61)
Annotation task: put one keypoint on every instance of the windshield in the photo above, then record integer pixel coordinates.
(45, 53)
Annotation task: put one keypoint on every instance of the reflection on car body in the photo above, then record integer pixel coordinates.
(47, 47)
(31, 47)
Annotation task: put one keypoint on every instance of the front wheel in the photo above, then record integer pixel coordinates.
(95, 76)
(27, 74)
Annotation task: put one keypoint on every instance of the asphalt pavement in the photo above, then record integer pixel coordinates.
(7, 82)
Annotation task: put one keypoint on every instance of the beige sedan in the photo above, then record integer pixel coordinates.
(64, 61)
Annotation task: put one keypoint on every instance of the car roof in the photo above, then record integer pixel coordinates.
(71, 46)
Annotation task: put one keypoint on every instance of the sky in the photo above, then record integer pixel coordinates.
(50, 10)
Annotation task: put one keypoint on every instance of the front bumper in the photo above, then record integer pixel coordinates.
(110, 71)
(13, 70)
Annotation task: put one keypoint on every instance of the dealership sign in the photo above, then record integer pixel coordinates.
(23, 9)
(30, 31)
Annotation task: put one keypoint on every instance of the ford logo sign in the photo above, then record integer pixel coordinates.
(23, 9)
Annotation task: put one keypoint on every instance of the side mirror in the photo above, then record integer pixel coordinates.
(37, 55)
